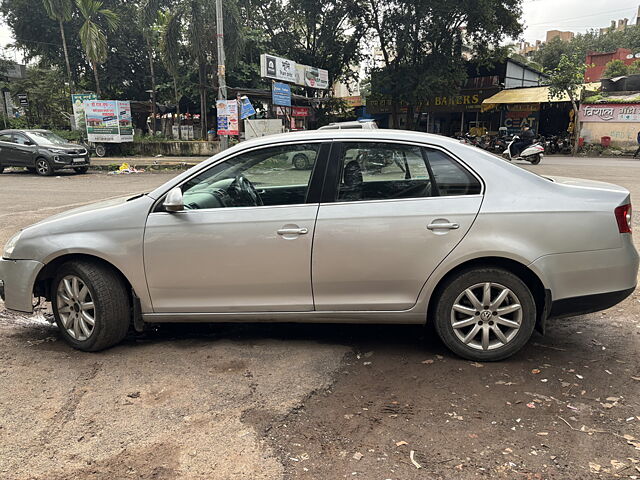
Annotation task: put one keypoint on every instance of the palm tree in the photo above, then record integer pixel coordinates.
(193, 24)
(92, 36)
(61, 10)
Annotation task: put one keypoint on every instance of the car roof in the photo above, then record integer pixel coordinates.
(364, 134)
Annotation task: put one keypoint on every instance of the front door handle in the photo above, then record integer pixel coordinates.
(293, 231)
(443, 226)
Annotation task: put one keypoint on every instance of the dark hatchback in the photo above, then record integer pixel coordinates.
(41, 151)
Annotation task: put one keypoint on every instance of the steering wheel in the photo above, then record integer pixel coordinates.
(243, 189)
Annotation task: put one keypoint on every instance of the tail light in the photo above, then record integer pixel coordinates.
(623, 217)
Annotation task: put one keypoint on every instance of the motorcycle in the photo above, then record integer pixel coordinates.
(533, 153)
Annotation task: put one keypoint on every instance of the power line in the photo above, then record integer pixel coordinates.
(584, 16)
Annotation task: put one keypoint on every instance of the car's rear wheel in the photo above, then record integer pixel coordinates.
(485, 314)
(81, 169)
(300, 161)
(90, 305)
(43, 167)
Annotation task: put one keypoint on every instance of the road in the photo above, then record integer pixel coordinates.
(312, 401)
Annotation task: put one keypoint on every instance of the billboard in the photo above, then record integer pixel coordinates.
(312, 77)
(278, 68)
(77, 100)
(285, 70)
(108, 121)
(125, 123)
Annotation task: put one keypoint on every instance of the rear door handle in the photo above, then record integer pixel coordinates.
(443, 226)
(293, 231)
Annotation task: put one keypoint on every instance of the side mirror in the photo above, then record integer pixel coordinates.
(173, 201)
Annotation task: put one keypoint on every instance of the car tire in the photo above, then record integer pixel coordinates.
(83, 290)
(81, 169)
(44, 167)
(300, 161)
(101, 150)
(475, 334)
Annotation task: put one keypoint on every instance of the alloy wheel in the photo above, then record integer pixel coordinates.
(42, 167)
(76, 309)
(486, 316)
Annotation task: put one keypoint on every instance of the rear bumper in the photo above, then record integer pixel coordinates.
(17, 278)
(591, 274)
(569, 307)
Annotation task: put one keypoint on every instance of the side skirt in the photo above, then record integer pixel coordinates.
(400, 317)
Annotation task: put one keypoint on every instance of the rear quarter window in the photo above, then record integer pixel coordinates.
(450, 177)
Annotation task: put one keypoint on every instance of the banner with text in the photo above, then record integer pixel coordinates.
(101, 117)
(77, 100)
(606, 112)
(227, 112)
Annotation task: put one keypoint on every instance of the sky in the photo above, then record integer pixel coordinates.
(538, 16)
(573, 15)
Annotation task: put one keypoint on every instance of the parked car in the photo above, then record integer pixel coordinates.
(358, 124)
(41, 151)
(485, 250)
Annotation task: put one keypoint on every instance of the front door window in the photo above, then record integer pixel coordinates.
(270, 176)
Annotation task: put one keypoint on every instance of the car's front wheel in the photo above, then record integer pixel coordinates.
(301, 161)
(485, 314)
(81, 169)
(43, 167)
(90, 305)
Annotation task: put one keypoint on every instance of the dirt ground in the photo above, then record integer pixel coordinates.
(313, 401)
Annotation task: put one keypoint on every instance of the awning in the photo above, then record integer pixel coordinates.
(526, 95)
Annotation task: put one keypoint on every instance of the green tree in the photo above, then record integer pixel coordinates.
(566, 80)
(92, 34)
(193, 25)
(615, 68)
(61, 11)
(634, 68)
(422, 44)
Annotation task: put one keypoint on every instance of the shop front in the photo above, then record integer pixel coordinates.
(614, 123)
(449, 115)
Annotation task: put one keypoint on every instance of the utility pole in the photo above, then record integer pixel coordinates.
(222, 84)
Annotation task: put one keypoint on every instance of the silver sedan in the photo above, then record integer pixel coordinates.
(441, 233)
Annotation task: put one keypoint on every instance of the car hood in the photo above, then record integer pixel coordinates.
(591, 184)
(63, 146)
(92, 207)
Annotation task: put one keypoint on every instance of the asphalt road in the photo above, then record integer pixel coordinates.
(312, 401)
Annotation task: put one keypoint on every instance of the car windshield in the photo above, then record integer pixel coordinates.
(46, 138)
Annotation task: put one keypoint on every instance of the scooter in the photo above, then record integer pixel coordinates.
(533, 153)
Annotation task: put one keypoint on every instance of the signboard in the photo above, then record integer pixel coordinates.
(299, 111)
(101, 117)
(610, 113)
(285, 70)
(227, 112)
(278, 68)
(262, 127)
(515, 120)
(312, 77)
(464, 101)
(281, 94)
(124, 121)
(14, 71)
(77, 100)
(246, 109)
(23, 100)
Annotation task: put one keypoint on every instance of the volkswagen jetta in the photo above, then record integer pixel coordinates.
(443, 233)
